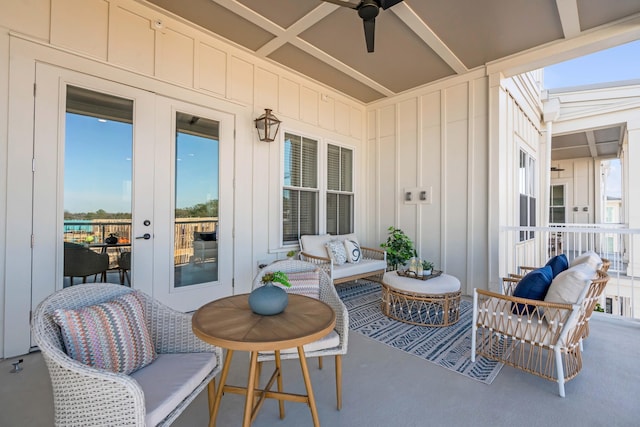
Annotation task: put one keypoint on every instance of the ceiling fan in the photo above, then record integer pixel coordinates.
(367, 10)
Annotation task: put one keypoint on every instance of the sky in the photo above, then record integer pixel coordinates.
(611, 65)
(98, 166)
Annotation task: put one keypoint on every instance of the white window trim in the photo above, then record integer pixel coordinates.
(322, 183)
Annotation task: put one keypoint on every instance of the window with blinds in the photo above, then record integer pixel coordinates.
(300, 188)
(339, 190)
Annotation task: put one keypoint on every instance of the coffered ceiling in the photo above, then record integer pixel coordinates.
(416, 41)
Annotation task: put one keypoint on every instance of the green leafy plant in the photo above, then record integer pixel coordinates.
(276, 276)
(427, 265)
(291, 254)
(399, 248)
(598, 308)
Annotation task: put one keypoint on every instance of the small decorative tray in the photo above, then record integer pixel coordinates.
(412, 275)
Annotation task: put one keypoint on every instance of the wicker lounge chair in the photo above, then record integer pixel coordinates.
(85, 395)
(329, 295)
(509, 285)
(543, 338)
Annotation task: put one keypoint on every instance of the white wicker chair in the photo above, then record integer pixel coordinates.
(86, 396)
(329, 295)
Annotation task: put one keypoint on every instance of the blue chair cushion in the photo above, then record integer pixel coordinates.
(558, 264)
(532, 286)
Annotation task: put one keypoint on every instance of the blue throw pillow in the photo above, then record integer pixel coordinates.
(532, 286)
(558, 264)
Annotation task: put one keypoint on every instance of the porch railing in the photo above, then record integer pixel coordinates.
(96, 231)
(533, 246)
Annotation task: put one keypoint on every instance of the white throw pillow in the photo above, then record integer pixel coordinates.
(567, 286)
(589, 257)
(336, 251)
(315, 244)
(354, 254)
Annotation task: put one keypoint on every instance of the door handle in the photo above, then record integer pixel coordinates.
(145, 236)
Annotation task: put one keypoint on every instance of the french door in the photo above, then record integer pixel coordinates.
(130, 187)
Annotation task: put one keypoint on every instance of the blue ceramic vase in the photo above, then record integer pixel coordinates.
(268, 300)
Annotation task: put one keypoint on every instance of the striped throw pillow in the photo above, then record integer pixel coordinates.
(305, 283)
(111, 336)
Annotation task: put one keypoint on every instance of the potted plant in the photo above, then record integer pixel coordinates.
(427, 267)
(268, 300)
(276, 277)
(291, 254)
(399, 248)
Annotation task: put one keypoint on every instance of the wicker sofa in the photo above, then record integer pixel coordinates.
(372, 265)
(543, 338)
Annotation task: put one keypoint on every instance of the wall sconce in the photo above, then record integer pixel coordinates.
(267, 125)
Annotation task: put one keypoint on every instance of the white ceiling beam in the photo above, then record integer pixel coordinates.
(291, 33)
(422, 30)
(251, 16)
(568, 11)
(591, 141)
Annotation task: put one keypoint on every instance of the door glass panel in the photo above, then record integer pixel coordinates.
(97, 187)
(196, 200)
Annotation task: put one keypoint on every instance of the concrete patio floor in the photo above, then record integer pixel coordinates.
(384, 386)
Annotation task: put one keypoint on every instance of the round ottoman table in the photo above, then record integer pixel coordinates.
(432, 302)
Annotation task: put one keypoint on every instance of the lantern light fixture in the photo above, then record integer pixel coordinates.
(267, 125)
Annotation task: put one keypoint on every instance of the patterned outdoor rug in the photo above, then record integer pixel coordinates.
(449, 347)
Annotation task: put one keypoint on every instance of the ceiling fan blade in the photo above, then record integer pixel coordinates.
(386, 4)
(353, 4)
(369, 33)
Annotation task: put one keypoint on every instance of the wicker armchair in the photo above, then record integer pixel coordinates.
(541, 338)
(329, 295)
(85, 396)
(509, 285)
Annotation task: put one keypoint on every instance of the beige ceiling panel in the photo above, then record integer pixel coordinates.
(572, 153)
(306, 64)
(482, 31)
(570, 140)
(607, 149)
(131, 40)
(598, 12)
(401, 59)
(284, 13)
(219, 20)
(607, 135)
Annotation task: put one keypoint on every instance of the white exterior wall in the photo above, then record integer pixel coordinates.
(456, 139)
(119, 40)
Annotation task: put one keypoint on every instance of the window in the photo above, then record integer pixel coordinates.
(556, 204)
(300, 188)
(526, 184)
(339, 190)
